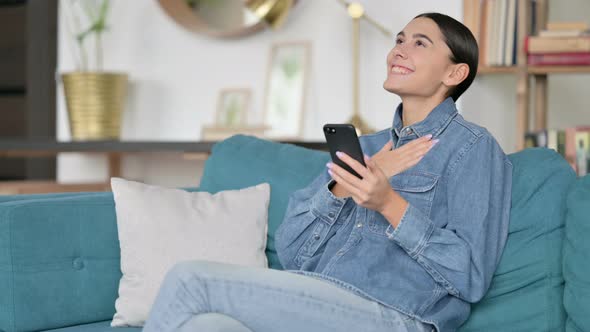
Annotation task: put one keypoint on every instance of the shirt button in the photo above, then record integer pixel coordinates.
(408, 131)
(331, 214)
(316, 236)
(359, 225)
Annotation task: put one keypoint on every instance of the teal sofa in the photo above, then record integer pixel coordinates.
(59, 253)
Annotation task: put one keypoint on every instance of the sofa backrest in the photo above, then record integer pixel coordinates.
(244, 161)
(527, 289)
(28, 197)
(576, 250)
(59, 261)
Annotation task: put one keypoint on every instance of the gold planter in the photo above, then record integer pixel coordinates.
(95, 103)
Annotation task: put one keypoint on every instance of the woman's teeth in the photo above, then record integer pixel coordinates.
(400, 70)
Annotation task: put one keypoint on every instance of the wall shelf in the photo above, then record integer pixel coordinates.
(28, 148)
(114, 150)
(558, 69)
(497, 70)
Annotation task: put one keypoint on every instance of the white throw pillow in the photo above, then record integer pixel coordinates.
(159, 227)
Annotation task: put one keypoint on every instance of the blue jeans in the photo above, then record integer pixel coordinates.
(213, 297)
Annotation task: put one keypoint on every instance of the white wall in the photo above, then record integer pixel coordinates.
(176, 76)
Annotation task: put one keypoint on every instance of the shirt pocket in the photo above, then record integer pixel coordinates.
(418, 188)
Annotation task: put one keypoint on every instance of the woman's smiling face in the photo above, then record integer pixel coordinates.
(420, 60)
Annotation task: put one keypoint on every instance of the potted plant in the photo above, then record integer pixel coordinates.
(95, 98)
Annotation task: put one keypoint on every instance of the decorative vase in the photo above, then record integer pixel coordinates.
(95, 103)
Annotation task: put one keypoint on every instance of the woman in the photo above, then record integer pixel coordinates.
(406, 248)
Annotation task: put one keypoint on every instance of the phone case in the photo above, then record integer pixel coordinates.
(342, 137)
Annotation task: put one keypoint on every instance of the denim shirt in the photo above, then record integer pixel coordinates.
(442, 255)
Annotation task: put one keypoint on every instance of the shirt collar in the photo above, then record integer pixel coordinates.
(436, 121)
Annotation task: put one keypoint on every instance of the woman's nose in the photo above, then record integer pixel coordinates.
(399, 52)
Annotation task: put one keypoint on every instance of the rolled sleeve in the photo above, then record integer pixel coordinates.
(413, 231)
(326, 205)
(311, 213)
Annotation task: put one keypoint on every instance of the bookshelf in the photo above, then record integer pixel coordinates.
(531, 80)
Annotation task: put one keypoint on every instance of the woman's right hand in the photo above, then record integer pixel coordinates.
(393, 162)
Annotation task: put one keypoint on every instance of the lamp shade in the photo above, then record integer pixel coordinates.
(274, 12)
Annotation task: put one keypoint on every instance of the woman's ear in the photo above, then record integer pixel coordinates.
(458, 73)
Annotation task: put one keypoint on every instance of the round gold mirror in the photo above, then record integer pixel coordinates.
(227, 18)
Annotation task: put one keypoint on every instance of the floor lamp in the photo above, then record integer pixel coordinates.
(357, 12)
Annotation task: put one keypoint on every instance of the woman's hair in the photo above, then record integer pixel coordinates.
(463, 47)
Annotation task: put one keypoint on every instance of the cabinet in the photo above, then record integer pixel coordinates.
(531, 91)
(28, 58)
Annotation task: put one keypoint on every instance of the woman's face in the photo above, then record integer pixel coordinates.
(419, 62)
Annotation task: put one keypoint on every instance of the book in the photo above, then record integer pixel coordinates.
(559, 59)
(563, 33)
(561, 142)
(492, 33)
(542, 138)
(532, 7)
(567, 26)
(510, 35)
(477, 12)
(582, 152)
(484, 29)
(472, 16)
(469, 16)
(552, 139)
(515, 39)
(530, 140)
(502, 21)
(534, 44)
(535, 139)
(570, 144)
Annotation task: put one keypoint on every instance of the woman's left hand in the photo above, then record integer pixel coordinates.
(373, 191)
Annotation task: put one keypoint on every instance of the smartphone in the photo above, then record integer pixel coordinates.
(343, 138)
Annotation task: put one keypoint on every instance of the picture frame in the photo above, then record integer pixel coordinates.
(286, 89)
(233, 106)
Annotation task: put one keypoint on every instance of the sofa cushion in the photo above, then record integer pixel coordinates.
(576, 270)
(526, 291)
(59, 262)
(244, 161)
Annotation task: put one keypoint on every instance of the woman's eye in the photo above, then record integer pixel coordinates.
(399, 41)
(420, 43)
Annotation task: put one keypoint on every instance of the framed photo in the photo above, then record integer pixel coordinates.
(286, 84)
(232, 107)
